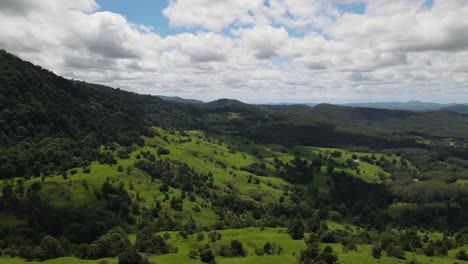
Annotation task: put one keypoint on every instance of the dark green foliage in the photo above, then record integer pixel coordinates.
(311, 253)
(327, 256)
(175, 174)
(207, 256)
(163, 151)
(336, 154)
(200, 236)
(177, 203)
(297, 171)
(256, 168)
(296, 230)
(53, 124)
(237, 249)
(214, 236)
(376, 251)
(48, 249)
(267, 248)
(395, 251)
(147, 241)
(461, 255)
(193, 254)
(109, 245)
(130, 256)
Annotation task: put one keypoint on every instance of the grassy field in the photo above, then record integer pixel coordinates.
(223, 157)
(253, 238)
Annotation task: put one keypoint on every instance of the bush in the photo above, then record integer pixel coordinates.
(200, 236)
(163, 151)
(376, 251)
(395, 251)
(213, 235)
(461, 255)
(130, 257)
(296, 230)
(336, 154)
(237, 248)
(48, 249)
(207, 256)
(193, 254)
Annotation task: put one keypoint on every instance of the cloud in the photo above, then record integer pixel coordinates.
(25, 7)
(201, 47)
(210, 14)
(254, 50)
(264, 41)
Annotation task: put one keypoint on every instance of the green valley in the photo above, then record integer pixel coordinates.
(92, 174)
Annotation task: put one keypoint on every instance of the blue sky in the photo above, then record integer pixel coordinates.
(149, 13)
(145, 12)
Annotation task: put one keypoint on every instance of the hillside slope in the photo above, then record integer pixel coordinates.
(90, 172)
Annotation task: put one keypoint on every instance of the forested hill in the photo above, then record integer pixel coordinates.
(92, 172)
(49, 123)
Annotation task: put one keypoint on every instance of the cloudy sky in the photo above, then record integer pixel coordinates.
(257, 51)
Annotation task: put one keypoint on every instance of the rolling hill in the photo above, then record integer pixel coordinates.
(93, 174)
(462, 109)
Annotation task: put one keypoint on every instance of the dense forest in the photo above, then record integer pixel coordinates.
(97, 173)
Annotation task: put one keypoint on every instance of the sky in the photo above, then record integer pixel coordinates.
(256, 51)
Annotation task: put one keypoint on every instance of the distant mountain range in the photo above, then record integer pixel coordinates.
(411, 105)
(180, 100)
(461, 108)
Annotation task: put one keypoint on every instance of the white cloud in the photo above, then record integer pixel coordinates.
(283, 50)
(200, 48)
(264, 41)
(210, 14)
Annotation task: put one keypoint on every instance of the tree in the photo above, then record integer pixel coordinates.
(327, 256)
(147, 241)
(130, 256)
(111, 244)
(193, 254)
(7, 170)
(311, 252)
(461, 255)
(36, 169)
(177, 203)
(267, 248)
(213, 236)
(200, 236)
(395, 251)
(336, 154)
(237, 248)
(376, 251)
(429, 250)
(207, 256)
(163, 151)
(317, 163)
(7, 191)
(296, 230)
(48, 249)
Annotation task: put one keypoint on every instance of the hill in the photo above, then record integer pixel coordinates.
(179, 99)
(411, 105)
(462, 109)
(44, 116)
(95, 173)
(430, 123)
